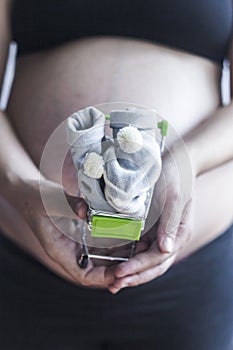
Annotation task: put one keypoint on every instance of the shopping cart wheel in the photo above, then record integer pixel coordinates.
(83, 261)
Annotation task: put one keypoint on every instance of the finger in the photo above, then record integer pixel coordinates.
(173, 215)
(141, 262)
(141, 277)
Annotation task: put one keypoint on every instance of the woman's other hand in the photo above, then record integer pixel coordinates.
(158, 248)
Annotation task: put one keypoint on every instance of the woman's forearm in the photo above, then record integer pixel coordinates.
(210, 144)
(15, 164)
(213, 205)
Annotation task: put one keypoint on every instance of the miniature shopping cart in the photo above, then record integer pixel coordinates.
(109, 220)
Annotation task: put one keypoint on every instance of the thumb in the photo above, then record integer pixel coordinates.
(166, 240)
(168, 227)
(170, 221)
(78, 205)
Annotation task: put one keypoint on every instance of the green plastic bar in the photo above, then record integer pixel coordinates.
(111, 227)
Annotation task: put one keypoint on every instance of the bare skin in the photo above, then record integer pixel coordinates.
(50, 85)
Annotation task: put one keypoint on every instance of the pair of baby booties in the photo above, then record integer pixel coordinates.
(116, 173)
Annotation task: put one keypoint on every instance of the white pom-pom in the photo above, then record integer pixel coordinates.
(130, 139)
(94, 165)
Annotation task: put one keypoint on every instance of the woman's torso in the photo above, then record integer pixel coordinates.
(51, 84)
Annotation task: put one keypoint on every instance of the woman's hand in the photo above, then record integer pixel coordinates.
(158, 248)
(45, 226)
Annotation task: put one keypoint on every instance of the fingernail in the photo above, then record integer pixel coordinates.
(167, 244)
(113, 290)
(79, 208)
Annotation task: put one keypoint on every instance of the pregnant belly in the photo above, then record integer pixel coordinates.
(49, 86)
